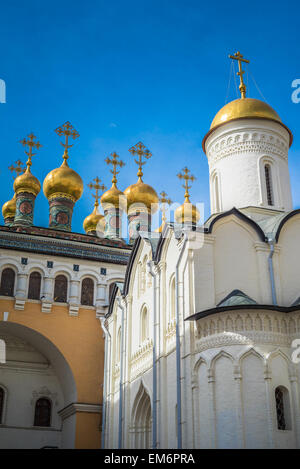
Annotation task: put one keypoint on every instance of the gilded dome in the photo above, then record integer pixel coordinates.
(141, 193)
(114, 197)
(245, 108)
(63, 181)
(27, 182)
(91, 222)
(9, 208)
(187, 213)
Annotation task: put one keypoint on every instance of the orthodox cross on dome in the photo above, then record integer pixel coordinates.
(240, 58)
(141, 151)
(68, 131)
(98, 187)
(186, 177)
(18, 168)
(31, 144)
(164, 201)
(115, 163)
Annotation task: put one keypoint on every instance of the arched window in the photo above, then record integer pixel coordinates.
(42, 415)
(172, 299)
(269, 188)
(61, 289)
(7, 286)
(87, 292)
(2, 396)
(282, 408)
(144, 325)
(34, 288)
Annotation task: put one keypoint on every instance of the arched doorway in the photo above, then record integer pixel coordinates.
(35, 373)
(142, 420)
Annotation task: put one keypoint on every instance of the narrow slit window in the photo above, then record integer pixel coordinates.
(269, 185)
(283, 414)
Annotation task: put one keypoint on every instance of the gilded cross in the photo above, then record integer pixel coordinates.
(31, 144)
(186, 176)
(240, 58)
(18, 168)
(141, 151)
(68, 131)
(98, 187)
(115, 163)
(164, 201)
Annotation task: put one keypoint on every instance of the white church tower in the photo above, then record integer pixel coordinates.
(247, 150)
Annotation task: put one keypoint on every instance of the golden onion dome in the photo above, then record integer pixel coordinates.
(187, 213)
(27, 182)
(64, 182)
(245, 108)
(9, 208)
(141, 194)
(113, 197)
(90, 223)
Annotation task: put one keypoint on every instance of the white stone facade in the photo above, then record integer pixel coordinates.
(64, 266)
(232, 360)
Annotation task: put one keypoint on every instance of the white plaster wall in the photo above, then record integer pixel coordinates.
(235, 259)
(288, 268)
(254, 402)
(228, 399)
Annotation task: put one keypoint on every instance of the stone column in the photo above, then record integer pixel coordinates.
(295, 405)
(74, 291)
(21, 290)
(268, 381)
(47, 295)
(212, 412)
(239, 408)
(21, 285)
(74, 299)
(48, 288)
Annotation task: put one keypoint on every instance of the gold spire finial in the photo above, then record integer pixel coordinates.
(31, 144)
(140, 150)
(187, 177)
(98, 187)
(164, 201)
(115, 163)
(68, 131)
(18, 168)
(240, 58)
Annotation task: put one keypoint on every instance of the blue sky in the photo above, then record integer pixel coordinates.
(123, 71)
